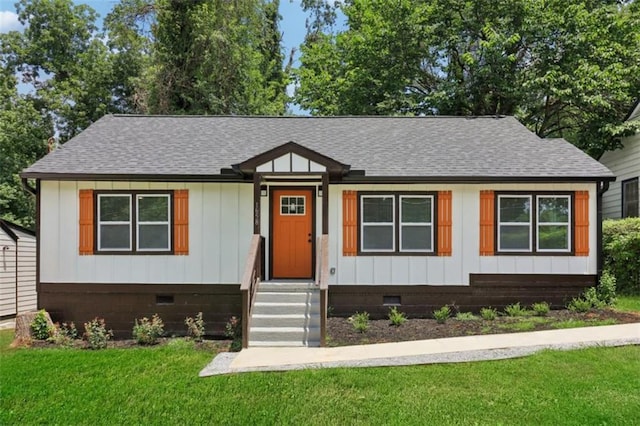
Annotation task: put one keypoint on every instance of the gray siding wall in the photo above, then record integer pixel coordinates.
(625, 164)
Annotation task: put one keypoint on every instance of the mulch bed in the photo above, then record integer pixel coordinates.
(341, 332)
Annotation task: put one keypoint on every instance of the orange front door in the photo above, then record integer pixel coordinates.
(292, 249)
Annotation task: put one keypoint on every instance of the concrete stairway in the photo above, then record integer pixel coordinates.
(285, 314)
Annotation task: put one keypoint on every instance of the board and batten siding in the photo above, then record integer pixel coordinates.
(465, 258)
(220, 229)
(17, 273)
(625, 164)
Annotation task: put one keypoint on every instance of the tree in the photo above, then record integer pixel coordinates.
(564, 68)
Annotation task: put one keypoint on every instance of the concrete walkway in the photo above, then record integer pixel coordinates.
(455, 349)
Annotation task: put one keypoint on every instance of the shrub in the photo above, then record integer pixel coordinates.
(360, 321)
(96, 333)
(591, 296)
(515, 310)
(64, 334)
(442, 314)
(540, 309)
(396, 317)
(233, 330)
(621, 251)
(489, 314)
(147, 331)
(607, 288)
(195, 327)
(40, 328)
(466, 316)
(578, 304)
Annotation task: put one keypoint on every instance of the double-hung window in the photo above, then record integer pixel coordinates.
(396, 223)
(534, 223)
(630, 198)
(133, 222)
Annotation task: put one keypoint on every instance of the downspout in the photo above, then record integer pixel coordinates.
(603, 187)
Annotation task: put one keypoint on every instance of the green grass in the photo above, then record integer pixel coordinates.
(159, 385)
(628, 303)
(524, 324)
(571, 323)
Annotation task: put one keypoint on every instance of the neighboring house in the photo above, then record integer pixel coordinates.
(17, 269)
(622, 199)
(146, 214)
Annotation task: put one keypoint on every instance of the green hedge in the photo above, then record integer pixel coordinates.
(621, 249)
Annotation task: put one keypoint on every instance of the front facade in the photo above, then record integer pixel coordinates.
(413, 217)
(17, 270)
(623, 200)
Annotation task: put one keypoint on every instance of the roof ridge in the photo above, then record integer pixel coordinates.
(468, 117)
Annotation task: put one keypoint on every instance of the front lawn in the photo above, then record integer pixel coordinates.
(159, 385)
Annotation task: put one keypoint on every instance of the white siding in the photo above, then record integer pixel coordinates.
(455, 269)
(220, 229)
(625, 164)
(7, 275)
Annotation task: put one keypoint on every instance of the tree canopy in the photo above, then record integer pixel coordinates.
(565, 68)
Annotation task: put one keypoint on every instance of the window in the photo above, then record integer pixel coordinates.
(630, 199)
(534, 223)
(133, 222)
(292, 206)
(391, 223)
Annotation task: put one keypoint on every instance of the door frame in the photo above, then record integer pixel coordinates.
(312, 189)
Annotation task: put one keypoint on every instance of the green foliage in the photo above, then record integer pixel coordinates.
(396, 317)
(96, 333)
(488, 314)
(621, 251)
(360, 321)
(628, 303)
(441, 315)
(515, 310)
(566, 68)
(64, 335)
(233, 330)
(195, 327)
(540, 309)
(466, 316)
(147, 331)
(40, 327)
(579, 304)
(607, 288)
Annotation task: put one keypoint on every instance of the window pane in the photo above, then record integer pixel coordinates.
(114, 209)
(416, 238)
(377, 209)
(114, 237)
(416, 210)
(553, 237)
(377, 237)
(514, 237)
(630, 196)
(553, 209)
(153, 208)
(517, 209)
(153, 237)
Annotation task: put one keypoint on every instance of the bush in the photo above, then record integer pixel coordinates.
(147, 331)
(195, 327)
(515, 310)
(578, 304)
(40, 328)
(396, 317)
(489, 314)
(442, 314)
(96, 333)
(591, 296)
(607, 288)
(64, 334)
(360, 321)
(540, 309)
(233, 330)
(466, 316)
(621, 251)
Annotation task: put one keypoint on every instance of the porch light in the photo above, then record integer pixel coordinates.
(263, 191)
(320, 191)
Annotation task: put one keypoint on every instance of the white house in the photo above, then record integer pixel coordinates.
(17, 269)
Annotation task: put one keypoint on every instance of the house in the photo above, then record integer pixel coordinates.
(622, 199)
(237, 215)
(17, 269)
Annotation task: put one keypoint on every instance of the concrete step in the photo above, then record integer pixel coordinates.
(294, 335)
(287, 286)
(288, 297)
(308, 344)
(285, 320)
(291, 308)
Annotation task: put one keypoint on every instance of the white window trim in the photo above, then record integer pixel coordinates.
(100, 223)
(529, 224)
(167, 222)
(304, 205)
(416, 224)
(567, 224)
(391, 224)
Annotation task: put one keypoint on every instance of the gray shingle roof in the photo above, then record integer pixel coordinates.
(428, 147)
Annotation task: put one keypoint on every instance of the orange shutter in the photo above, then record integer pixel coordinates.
(349, 223)
(181, 221)
(487, 223)
(444, 223)
(581, 218)
(85, 235)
